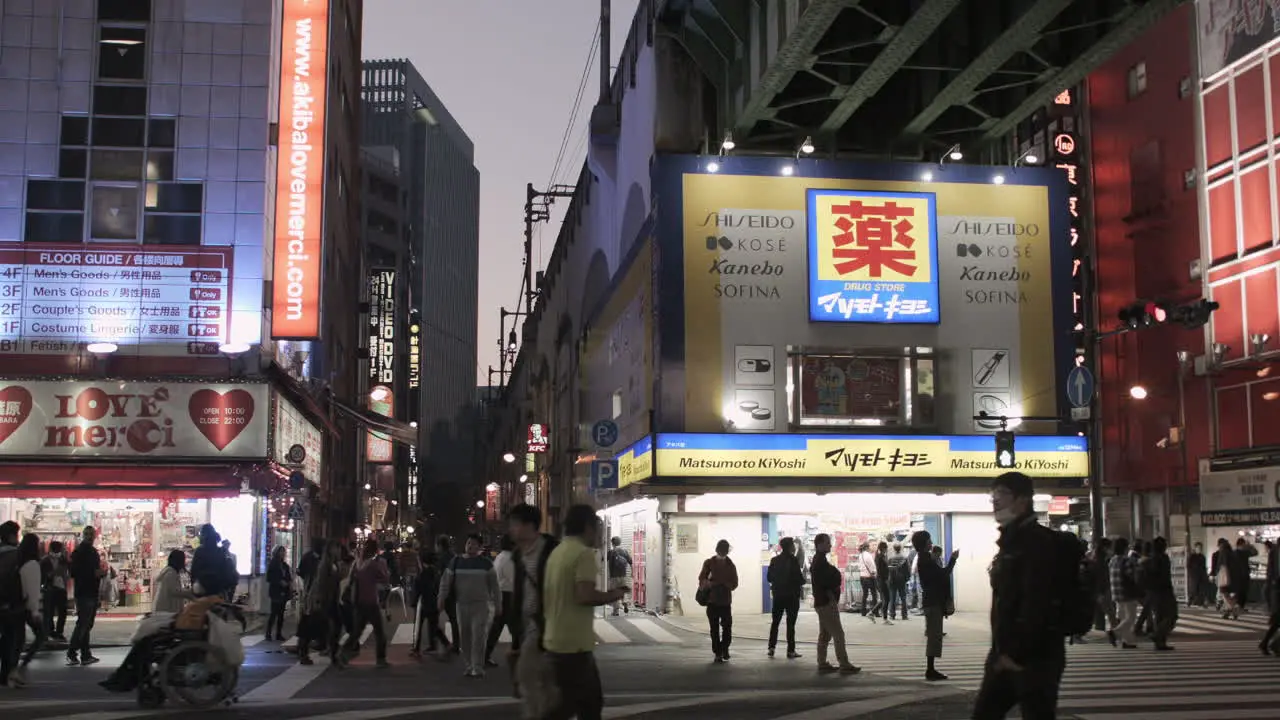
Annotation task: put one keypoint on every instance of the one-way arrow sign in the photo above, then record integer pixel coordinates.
(1080, 386)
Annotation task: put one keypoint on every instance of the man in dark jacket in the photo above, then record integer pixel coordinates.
(786, 578)
(86, 575)
(211, 569)
(1024, 667)
(826, 603)
(935, 588)
(1164, 602)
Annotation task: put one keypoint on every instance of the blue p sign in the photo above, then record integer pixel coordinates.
(604, 474)
(604, 433)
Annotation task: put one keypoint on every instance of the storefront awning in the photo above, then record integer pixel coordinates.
(74, 481)
(399, 431)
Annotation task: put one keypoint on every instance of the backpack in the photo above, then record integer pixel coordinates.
(549, 544)
(617, 564)
(11, 597)
(1073, 599)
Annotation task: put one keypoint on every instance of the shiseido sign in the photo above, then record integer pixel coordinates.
(128, 420)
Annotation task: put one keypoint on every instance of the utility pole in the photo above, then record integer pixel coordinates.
(537, 208)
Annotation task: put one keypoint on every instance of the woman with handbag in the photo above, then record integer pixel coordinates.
(716, 583)
(935, 588)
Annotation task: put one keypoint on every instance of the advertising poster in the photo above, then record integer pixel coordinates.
(832, 274)
(293, 428)
(124, 420)
(1230, 30)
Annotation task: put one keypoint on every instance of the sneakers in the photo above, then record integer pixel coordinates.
(18, 678)
(89, 660)
(827, 669)
(490, 662)
(793, 655)
(72, 660)
(771, 652)
(934, 676)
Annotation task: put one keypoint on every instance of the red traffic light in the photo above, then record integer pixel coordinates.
(1156, 311)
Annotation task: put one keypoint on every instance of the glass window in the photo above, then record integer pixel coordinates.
(162, 132)
(54, 227)
(133, 10)
(72, 163)
(75, 130)
(923, 405)
(55, 195)
(160, 165)
(175, 197)
(119, 132)
(119, 100)
(122, 53)
(840, 390)
(115, 213)
(172, 229)
(116, 165)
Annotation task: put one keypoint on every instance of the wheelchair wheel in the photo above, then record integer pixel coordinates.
(197, 674)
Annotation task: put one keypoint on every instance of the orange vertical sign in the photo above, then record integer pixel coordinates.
(300, 169)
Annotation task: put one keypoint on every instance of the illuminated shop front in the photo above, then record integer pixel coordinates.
(680, 493)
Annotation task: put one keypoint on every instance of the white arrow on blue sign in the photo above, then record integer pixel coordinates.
(1080, 386)
(604, 433)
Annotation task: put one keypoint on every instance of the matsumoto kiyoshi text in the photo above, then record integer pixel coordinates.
(960, 464)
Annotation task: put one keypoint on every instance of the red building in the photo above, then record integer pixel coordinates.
(1184, 163)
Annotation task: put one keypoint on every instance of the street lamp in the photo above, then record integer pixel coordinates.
(479, 503)
(524, 478)
(508, 457)
(1138, 392)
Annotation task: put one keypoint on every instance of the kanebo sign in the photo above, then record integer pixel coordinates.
(1240, 497)
(127, 420)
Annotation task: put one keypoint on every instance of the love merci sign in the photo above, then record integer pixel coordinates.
(133, 420)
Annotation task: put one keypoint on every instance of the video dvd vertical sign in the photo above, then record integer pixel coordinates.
(382, 359)
(1066, 151)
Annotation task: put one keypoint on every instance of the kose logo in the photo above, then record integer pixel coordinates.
(973, 250)
(762, 222)
(746, 244)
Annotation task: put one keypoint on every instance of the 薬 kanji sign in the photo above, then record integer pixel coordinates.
(873, 256)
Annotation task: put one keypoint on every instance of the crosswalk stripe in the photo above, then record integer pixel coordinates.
(1214, 626)
(857, 708)
(607, 633)
(653, 630)
(1219, 714)
(102, 715)
(248, 641)
(287, 684)
(404, 635)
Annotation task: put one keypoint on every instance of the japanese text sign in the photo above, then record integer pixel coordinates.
(873, 257)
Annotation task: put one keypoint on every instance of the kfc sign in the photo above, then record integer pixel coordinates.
(538, 438)
(873, 257)
(125, 420)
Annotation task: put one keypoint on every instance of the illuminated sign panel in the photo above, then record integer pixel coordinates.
(873, 257)
(382, 359)
(538, 439)
(415, 356)
(54, 298)
(300, 170)
(1065, 154)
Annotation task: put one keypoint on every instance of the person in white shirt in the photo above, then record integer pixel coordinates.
(505, 617)
(867, 575)
(29, 573)
(169, 594)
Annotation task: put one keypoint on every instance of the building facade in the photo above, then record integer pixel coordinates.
(139, 179)
(773, 346)
(442, 215)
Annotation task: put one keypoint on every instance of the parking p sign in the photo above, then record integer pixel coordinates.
(604, 433)
(604, 474)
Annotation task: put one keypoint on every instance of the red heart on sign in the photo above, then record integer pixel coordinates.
(221, 416)
(15, 406)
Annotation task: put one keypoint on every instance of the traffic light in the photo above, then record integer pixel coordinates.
(1144, 313)
(1006, 457)
(1196, 315)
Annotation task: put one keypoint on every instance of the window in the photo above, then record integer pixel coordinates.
(122, 53)
(890, 389)
(172, 230)
(119, 100)
(175, 197)
(1137, 80)
(54, 227)
(115, 213)
(160, 165)
(130, 10)
(119, 132)
(116, 165)
(617, 404)
(75, 130)
(55, 195)
(162, 133)
(72, 163)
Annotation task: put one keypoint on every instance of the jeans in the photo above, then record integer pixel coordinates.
(720, 618)
(11, 624)
(830, 631)
(578, 678)
(55, 611)
(1034, 690)
(789, 607)
(897, 599)
(869, 588)
(276, 618)
(506, 618)
(86, 614)
(473, 620)
(370, 615)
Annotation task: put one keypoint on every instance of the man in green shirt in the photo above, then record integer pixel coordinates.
(569, 595)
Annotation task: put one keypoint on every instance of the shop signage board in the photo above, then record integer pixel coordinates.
(538, 440)
(122, 420)
(382, 360)
(300, 170)
(877, 456)
(635, 463)
(1240, 497)
(293, 429)
(1228, 32)
(156, 301)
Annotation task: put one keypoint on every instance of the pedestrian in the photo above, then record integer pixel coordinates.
(786, 581)
(1269, 644)
(56, 575)
(19, 602)
(1199, 587)
(935, 587)
(569, 595)
(899, 574)
(1242, 576)
(87, 572)
(369, 576)
(322, 620)
(618, 562)
(826, 581)
(881, 580)
(279, 591)
(169, 596)
(1225, 575)
(472, 584)
(1101, 573)
(534, 678)
(718, 579)
(504, 615)
(1164, 602)
(1143, 625)
(1027, 658)
(1125, 592)
(427, 588)
(444, 558)
(410, 564)
(867, 576)
(211, 570)
(233, 571)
